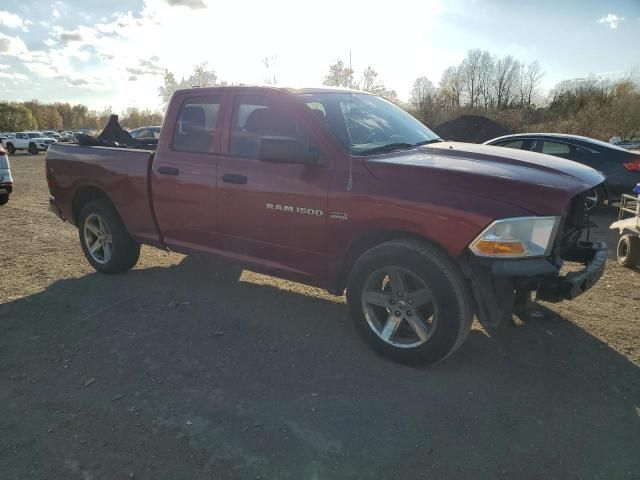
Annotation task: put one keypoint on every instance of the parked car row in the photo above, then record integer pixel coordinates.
(58, 136)
(33, 142)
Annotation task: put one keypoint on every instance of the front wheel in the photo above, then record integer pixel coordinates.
(33, 149)
(410, 302)
(104, 239)
(4, 198)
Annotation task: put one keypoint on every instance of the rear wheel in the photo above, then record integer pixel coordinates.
(410, 302)
(33, 149)
(4, 198)
(11, 149)
(104, 239)
(629, 251)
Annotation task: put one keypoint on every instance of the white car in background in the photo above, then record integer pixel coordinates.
(33, 142)
(52, 134)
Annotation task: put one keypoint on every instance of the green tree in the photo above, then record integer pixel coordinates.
(339, 75)
(79, 116)
(201, 76)
(66, 114)
(14, 118)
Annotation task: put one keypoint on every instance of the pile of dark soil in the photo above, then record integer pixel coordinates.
(470, 128)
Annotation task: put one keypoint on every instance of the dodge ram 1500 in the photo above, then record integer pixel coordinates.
(346, 191)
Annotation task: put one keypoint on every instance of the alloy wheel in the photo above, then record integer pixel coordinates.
(399, 307)
(591, 199)
(98, 238)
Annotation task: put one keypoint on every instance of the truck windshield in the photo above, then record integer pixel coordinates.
(367, 124)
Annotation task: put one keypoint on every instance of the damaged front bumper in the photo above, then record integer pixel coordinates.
(497, 284)
(569, 286)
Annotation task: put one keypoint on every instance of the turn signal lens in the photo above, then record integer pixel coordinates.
(486, 247)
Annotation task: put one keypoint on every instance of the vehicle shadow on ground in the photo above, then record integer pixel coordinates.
(188, 372)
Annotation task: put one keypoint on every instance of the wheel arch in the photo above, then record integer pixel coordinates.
(366, 242)
(85, 194)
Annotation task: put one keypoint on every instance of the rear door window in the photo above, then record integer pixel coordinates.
(256, 117)
(556, 148)
(517, 144)
(197, 125)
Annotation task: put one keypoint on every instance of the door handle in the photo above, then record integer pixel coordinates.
(168, 171)
(234, 178)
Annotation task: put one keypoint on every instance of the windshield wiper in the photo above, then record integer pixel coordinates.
(427, 142)
(388, 148)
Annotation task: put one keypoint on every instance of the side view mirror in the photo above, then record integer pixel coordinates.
(285, 150)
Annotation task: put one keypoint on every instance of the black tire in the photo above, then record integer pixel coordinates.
(628, 252)
(124, 251)
(33, 149)
(451, 308)
(595, 198)
(4, 198)
(11, 149)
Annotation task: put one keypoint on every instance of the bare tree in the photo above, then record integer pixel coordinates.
(486, 79)
(423, 94)
(470, 69)
(506, 73)
(451, 86)
(369, 81)
(339, 75)
(532, 76)
(271, 65)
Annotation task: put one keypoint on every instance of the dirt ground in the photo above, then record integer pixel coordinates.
(182, 369)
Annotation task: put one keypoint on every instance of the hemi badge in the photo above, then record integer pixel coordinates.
(338, 215)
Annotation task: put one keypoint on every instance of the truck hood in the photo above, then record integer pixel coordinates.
(539, 183)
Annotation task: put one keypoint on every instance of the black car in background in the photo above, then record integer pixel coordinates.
(621, 167)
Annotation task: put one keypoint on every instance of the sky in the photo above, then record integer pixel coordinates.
(114, 53)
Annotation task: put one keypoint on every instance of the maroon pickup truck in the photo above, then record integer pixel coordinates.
(341, 190)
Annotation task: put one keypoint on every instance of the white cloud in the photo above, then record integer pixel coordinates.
(11, 20)
(611, 20)
(12, 46)
(13, 76)
(128, 40)
(193, 4)
(127, 53)
(56, 13)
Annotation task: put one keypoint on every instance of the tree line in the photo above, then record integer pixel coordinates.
(505, 89)
(34, 115)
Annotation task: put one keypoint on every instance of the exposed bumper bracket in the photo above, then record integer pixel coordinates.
(569, 286)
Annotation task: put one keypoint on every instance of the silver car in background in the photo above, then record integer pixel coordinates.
(6, 180)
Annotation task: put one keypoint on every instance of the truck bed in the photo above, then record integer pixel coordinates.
(122, 172)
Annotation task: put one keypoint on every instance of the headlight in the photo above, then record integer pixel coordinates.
(517, 237)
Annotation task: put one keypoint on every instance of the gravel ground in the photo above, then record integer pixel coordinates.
(186, 368)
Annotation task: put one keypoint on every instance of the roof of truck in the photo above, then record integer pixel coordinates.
(307, 90)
